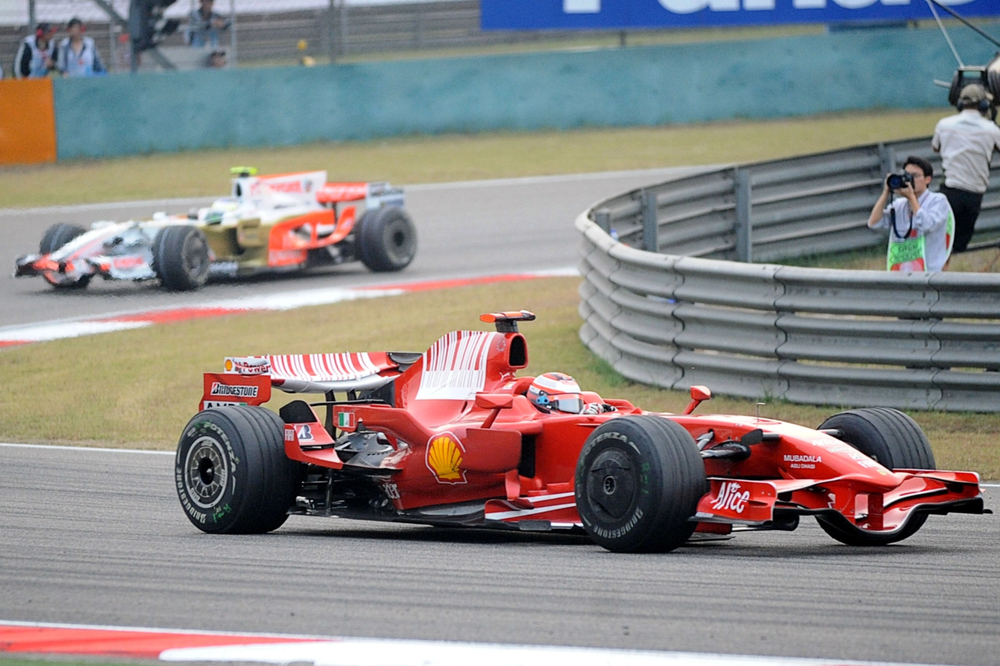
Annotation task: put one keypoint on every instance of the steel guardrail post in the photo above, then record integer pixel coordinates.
(744, 231)
(602, 218)
(650, 223)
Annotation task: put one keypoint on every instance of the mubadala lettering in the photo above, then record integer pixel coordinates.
(803, 459)
(218, 388)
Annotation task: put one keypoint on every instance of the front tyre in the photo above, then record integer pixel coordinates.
(54, 238)
(181, 258)
(387, 239)
(638, 483)
(58, 235)
(892, 439)
(231, 472)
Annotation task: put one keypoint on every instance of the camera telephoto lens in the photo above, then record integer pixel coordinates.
(896, 181)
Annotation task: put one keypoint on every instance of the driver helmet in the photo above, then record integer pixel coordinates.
(555, 391)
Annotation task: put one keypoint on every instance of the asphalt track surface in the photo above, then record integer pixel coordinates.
(98, 537)
(464, 230)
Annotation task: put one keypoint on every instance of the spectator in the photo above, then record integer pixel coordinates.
(77, 54)
(216, 59)
(204, 25)
(966, 142)
(37, 54)
(921, 224)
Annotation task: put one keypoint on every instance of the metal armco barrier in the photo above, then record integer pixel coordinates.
(698, 312)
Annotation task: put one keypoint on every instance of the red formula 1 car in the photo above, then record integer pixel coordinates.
(286, 222)
(453, 437)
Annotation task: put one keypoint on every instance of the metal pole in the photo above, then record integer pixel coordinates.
(112, 48)
(32, 16)
(343, 28)
(650, 225)
(744, 239)
(232, 35)
(331, 52)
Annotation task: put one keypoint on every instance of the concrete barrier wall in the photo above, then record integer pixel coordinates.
(890, 68)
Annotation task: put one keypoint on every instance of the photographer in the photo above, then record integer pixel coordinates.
(966, 142)
(920, 222)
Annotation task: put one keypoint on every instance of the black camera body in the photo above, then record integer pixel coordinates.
(897, 181)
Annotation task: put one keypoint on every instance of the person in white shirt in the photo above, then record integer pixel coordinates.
(77, 54)
(920, 222)
(37, 54)
(966, 142)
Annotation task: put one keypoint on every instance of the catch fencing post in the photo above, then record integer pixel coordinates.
(744, 236)
(650, 225)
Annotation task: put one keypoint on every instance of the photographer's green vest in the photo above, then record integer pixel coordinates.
(909, 254)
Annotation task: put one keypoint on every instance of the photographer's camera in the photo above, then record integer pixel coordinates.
(898, 181)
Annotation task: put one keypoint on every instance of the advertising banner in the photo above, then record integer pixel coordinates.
(635, 14)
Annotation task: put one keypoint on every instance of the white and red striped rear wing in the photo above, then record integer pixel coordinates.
(245, 377)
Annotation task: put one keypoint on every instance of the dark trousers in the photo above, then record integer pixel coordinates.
(965, 205)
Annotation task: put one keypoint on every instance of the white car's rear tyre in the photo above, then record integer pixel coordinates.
(387, 240)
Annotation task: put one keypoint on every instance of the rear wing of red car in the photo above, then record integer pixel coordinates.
(248, 380)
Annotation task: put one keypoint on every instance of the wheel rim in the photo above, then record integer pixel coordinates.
(611, 484)
(195, 256)
(399, 245)
(206, 472)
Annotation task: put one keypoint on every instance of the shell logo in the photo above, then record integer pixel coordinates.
(444, 458)
(229, 365)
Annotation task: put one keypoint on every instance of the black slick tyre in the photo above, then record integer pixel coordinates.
(54, 238)
(231, 472)
(638, 483)
(387, 239)
(892, 439)
(58, 235)
(180, 257)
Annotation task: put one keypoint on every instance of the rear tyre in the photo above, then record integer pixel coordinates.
(638, 483)
(58, 235)
(231, 472)
(180, 257)
(892, 439)
(54, 238)
(387, 239)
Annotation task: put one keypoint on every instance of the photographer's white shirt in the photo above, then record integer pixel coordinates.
(931, 221)
(966, 142)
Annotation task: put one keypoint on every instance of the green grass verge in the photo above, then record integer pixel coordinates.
(138, 388)
(429, 159)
